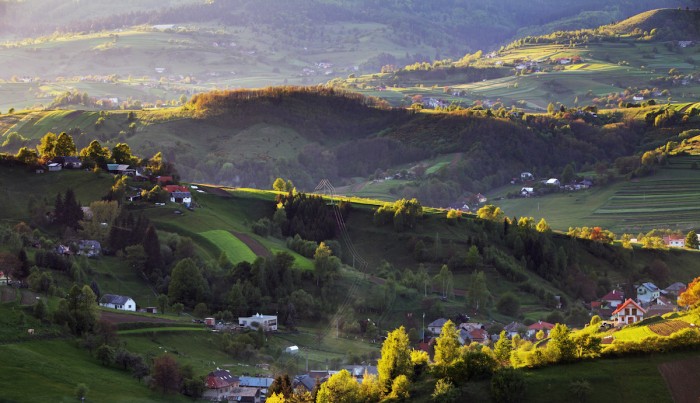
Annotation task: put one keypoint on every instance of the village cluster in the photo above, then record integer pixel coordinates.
(615, 308)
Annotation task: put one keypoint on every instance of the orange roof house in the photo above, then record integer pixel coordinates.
(627, 313)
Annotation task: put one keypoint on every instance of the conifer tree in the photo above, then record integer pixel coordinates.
(151, 246)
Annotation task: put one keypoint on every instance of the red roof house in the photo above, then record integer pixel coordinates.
(220, 383)
(537, 326)
(613, 298)
(627, 313)
(175, 188)
(162, 180)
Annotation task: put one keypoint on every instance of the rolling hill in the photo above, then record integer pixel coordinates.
(155, 52)
(602, 66)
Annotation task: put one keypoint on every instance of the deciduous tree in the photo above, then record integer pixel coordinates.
(395, 358)
(166, 374)
(691, 240)
(339, 388)
(691, 295)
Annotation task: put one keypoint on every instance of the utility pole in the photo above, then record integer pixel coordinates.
(422, 339)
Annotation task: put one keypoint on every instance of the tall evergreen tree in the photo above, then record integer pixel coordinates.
(151, 245)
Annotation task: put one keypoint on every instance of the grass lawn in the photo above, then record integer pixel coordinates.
(50, 370)
(20, 185)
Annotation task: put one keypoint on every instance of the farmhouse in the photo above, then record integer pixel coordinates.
(674, 241)
(526, 176)
(120, 302)
(220, 384)
(553, 182)
(537, 326)
(527, 191)
(647, 292)
(267, 322)
(627, 313)
(54, 166)
(178, 194)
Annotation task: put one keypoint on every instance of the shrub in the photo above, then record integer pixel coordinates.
(508, 386)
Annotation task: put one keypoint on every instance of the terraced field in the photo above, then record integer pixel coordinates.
(667, 200)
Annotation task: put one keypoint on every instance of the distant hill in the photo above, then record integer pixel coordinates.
(250, 137)
(156, 51)
(671, 24)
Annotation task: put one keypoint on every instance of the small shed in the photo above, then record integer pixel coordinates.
(292, 350)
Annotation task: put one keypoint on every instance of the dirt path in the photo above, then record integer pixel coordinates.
(682, 379)
(254, 245)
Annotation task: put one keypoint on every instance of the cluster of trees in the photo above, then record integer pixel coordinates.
(403, 214)
(93, 155)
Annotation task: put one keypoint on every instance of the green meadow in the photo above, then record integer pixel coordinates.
(235, 249)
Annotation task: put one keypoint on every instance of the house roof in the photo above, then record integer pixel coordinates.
(117, 167)
(676, 288)
(614, 295)
(478, 335)
(255, 381)
(541, 325)
(650, 286)
(513, 327)
(89, 243)
(114, 299)
(627, 303)
(175, 188)
(221, 378)
(660, 310)
(438, 323)
(245, 392)
(306, 381)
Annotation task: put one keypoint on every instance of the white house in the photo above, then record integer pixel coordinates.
(435, 327)
(526, 176)
(553, 182)
(513, 328)
(527, 191)
(54, 166)
(628, 312)
(120, 302)
(266, 322)
(647, 292)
